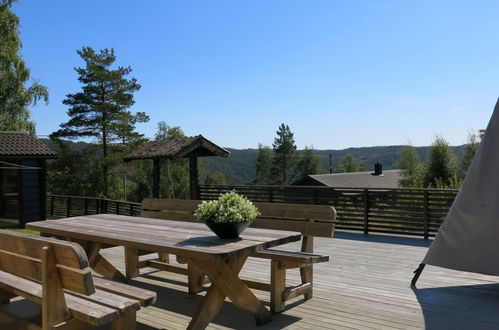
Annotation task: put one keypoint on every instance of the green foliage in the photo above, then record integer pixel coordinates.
(74, 172)
(442, 169)
(206, 177)
(100, 109)
(230, 207)
(15, 96)
(440, 183)
(166, 132)
(413, 171)
(349, 164)
(469, 151)
(284, 151)
(308, 163)
(263, 164)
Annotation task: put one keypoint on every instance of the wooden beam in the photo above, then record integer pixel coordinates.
(293, 292)
(278, 285)
(178, 269)
(131, 262)
(194, 177)
(156, 173)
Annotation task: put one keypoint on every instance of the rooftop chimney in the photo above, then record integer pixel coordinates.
(378, 169)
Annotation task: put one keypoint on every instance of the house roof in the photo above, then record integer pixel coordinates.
(187, 146)
(21, 144)
(389, 179)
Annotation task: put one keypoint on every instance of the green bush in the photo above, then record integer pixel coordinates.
(230, 207)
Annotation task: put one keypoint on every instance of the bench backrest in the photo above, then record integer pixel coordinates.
(310, 220)
(31, 256)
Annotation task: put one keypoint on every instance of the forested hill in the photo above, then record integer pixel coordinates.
(240, 166)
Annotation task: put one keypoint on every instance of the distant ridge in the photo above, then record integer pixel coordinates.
(240, 166)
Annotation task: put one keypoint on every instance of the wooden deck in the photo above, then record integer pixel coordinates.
(364, 286)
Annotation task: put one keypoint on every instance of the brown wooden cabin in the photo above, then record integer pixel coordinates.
(22, 178)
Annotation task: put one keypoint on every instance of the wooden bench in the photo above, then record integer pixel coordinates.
(311, 220)
(55, 275)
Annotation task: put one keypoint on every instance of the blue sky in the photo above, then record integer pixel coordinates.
(339, 73)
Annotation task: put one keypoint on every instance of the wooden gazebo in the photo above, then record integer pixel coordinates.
(184, 147)
(22, 177)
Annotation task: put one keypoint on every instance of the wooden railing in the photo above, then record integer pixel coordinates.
(406, 211)
(71, 206)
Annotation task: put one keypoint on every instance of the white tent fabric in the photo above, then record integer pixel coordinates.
(468, 239)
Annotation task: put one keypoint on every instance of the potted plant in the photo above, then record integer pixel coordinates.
(229, 215)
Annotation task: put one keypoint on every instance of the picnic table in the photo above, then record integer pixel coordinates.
(220, 259)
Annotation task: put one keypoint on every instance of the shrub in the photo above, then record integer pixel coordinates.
(230, 207)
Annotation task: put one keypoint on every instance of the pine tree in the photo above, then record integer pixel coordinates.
(412, 175)
(442, 169)
(308, 163)
(284, 151)
(15, 96)
(100, 109)
(263, 165)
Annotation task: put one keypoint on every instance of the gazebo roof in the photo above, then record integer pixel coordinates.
(22, 145)
(188, 146)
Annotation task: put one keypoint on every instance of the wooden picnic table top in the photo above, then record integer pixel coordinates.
(176, 237)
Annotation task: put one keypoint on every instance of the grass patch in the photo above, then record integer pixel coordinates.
(25, 231)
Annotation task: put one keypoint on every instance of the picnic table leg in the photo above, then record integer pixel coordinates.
(99, 264)
(131, 262)
(195, 278)
(226, 283)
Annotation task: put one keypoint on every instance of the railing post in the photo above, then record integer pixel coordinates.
(118, 208)
(366, 212)
(68, 207)
(52, 198)
(426, 219)
(131, 210)
(85, 206)
(271, 194)
(103, 206)
(316, 196)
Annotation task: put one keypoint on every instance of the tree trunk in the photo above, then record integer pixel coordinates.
(105, 180)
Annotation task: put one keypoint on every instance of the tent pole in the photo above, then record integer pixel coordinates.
(417, 272)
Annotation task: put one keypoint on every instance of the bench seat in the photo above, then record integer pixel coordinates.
(55, 275)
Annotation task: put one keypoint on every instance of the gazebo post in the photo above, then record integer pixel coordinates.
(155, 178)
(194, 177)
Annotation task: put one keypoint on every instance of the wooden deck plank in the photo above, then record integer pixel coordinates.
(365, 285)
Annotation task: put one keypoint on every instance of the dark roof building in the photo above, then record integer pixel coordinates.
(22, 145)
(378, 179)
(186, 146)
(22, 177)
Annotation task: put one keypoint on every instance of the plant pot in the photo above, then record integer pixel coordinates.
(228, 229)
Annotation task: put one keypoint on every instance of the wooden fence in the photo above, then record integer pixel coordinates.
(407, 211)
(72, 206)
